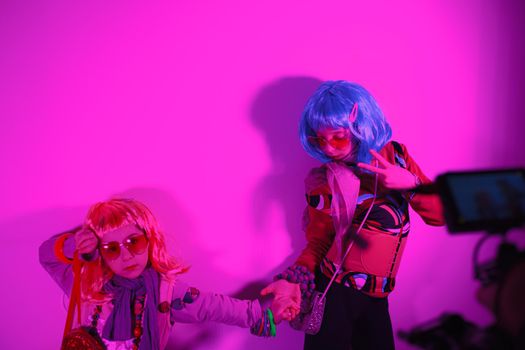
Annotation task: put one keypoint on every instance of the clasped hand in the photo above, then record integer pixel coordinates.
(286, 299)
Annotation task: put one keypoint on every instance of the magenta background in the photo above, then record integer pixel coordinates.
(192, 107)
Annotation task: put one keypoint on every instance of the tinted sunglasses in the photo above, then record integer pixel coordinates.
(336, 141)
(136, 245)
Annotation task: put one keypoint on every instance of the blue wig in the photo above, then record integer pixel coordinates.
(330, 107)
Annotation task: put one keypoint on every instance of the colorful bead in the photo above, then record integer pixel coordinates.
(299, 274)
(177, 304)
(164, 307)
(137, 332)
(191, 295)
(137, 308)
(96, 316)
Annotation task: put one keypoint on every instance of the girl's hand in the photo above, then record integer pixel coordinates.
(391, 176)
(85, 241)
(284, 308)
(287, 299)
(283, 288)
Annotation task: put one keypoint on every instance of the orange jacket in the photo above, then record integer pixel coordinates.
(373, 268)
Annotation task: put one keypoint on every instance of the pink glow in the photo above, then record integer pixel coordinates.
(192, 107)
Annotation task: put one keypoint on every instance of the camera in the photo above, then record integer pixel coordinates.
(491, 201)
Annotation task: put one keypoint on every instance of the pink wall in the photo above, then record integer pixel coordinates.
(192, 107)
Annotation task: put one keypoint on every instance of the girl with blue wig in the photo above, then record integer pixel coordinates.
(356, 218)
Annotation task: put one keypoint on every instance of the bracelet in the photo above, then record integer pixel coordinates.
(58, 249)
(418, 182)
(265, 326)
(272, 323)
(301, 275)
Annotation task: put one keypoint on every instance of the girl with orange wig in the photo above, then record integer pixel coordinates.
(130, 294)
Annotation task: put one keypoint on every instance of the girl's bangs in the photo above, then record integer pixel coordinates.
(105, 217)
(319, 121)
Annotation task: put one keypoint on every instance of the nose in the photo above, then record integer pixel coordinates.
(125, 254)
(328, 149)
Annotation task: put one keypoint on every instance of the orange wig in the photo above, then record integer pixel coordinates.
(113, 214)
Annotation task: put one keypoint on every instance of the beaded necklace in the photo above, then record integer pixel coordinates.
(138, 311)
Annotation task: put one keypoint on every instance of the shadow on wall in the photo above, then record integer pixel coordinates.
(276, 111)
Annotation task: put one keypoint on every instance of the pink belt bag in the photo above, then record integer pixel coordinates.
(344, 185)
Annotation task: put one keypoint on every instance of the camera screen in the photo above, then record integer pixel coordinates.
(488, 200)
